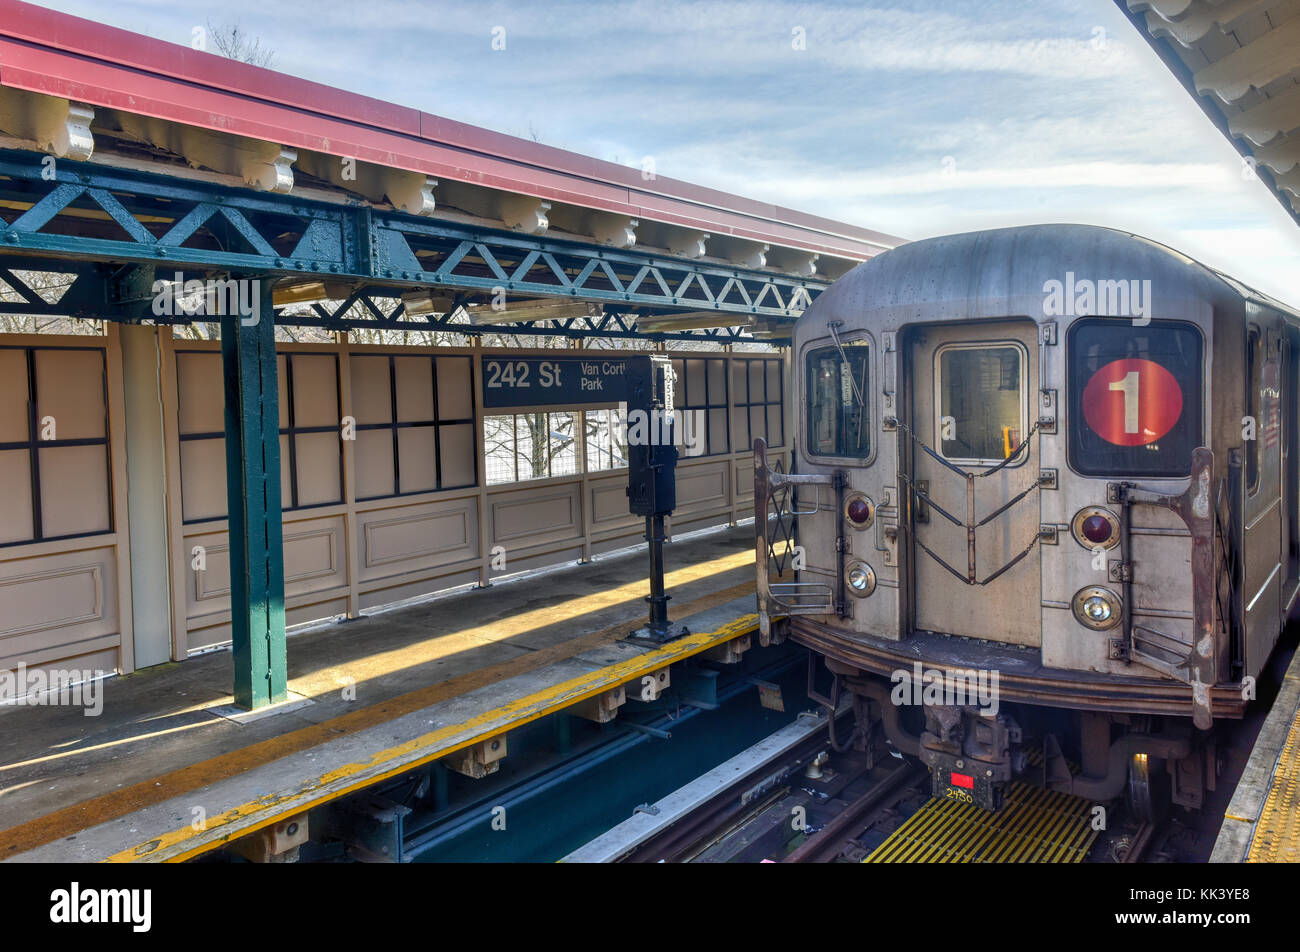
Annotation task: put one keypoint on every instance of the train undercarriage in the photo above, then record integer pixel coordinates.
(974, 751)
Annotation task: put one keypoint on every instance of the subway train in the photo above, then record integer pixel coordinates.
(1043, 516)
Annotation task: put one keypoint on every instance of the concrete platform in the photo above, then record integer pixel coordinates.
(1262, 822)
(161, 775)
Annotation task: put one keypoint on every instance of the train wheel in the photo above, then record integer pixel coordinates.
(1139, 788)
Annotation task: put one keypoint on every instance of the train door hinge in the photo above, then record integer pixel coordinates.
(1047, 479)
(1048, 534)
(1047, 401)
(889, 347)
(1047, 411)
(1120, 571)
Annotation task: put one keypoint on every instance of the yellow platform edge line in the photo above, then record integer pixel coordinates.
(1277, 831)
(170, 847)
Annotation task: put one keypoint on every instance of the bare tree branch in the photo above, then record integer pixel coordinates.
(233, 42)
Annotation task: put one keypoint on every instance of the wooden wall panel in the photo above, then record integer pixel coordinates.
(403, 539)
(58, 605)
(423, 541)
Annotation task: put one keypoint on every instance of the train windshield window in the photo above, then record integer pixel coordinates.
(838, 422)
(981, 401)
(1134, 397)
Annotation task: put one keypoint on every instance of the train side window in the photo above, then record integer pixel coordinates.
(838, 390)
(1134, 397)
(982, 401)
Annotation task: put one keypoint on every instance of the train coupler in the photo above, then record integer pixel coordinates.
(971, 756)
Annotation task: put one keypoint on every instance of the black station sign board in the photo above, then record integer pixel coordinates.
(553, 381)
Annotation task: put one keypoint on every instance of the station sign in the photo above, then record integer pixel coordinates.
(553, 381)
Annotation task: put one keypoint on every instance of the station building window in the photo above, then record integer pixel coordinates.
(606, 440)
(311, 459)
(523, 446)
(415, 424)
(758, 408)
(700, 391)
(54, 450)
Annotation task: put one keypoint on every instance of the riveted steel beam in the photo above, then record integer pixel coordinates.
(90, 212)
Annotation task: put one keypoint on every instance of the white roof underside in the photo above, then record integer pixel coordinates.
(1242, 57)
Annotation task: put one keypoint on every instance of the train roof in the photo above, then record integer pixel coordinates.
(927, 269)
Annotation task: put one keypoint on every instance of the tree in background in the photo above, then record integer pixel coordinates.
(234, 42)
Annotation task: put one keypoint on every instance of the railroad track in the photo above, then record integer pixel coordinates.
(812, 805)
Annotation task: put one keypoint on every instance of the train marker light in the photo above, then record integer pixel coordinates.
(861, 579)
(1094, 526)
(1097, 608)
(859, 511)
(963, 780)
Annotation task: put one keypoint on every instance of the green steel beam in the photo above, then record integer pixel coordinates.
(92, 212)
(253, 491)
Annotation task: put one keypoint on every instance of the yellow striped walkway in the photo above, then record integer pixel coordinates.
(1033, 826)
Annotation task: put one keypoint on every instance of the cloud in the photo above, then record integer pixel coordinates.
(1050, 111)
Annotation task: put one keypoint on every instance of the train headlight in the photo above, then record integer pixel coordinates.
(859, 511)
(860, 579)
(1094, 526)
(1097, 608)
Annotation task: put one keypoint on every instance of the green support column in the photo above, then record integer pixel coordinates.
(253, 490)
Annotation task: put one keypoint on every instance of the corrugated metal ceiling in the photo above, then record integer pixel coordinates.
(1241, 60)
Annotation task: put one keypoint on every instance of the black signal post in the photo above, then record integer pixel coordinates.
(652, 476)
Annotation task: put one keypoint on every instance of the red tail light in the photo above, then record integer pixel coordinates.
(1094, 526)
(859, 511)
(1097, 529)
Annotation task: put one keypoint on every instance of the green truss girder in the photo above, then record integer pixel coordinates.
(90, 212)
(364, 308)
(124, 293)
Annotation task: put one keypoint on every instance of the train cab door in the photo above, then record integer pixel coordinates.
(975, 570)
(1291, 465)
(1264, 523)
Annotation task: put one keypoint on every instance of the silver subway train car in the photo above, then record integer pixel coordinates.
(1048, 471)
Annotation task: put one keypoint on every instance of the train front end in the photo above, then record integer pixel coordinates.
(1003, 500)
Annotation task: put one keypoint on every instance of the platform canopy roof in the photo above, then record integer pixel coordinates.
(89, 92)
(1240, 60)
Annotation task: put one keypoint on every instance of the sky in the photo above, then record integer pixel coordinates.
(914, 118)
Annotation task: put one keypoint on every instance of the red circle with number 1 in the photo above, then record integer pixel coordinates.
(1132, 402)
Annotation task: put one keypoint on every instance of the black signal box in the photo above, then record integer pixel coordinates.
(651, 449)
